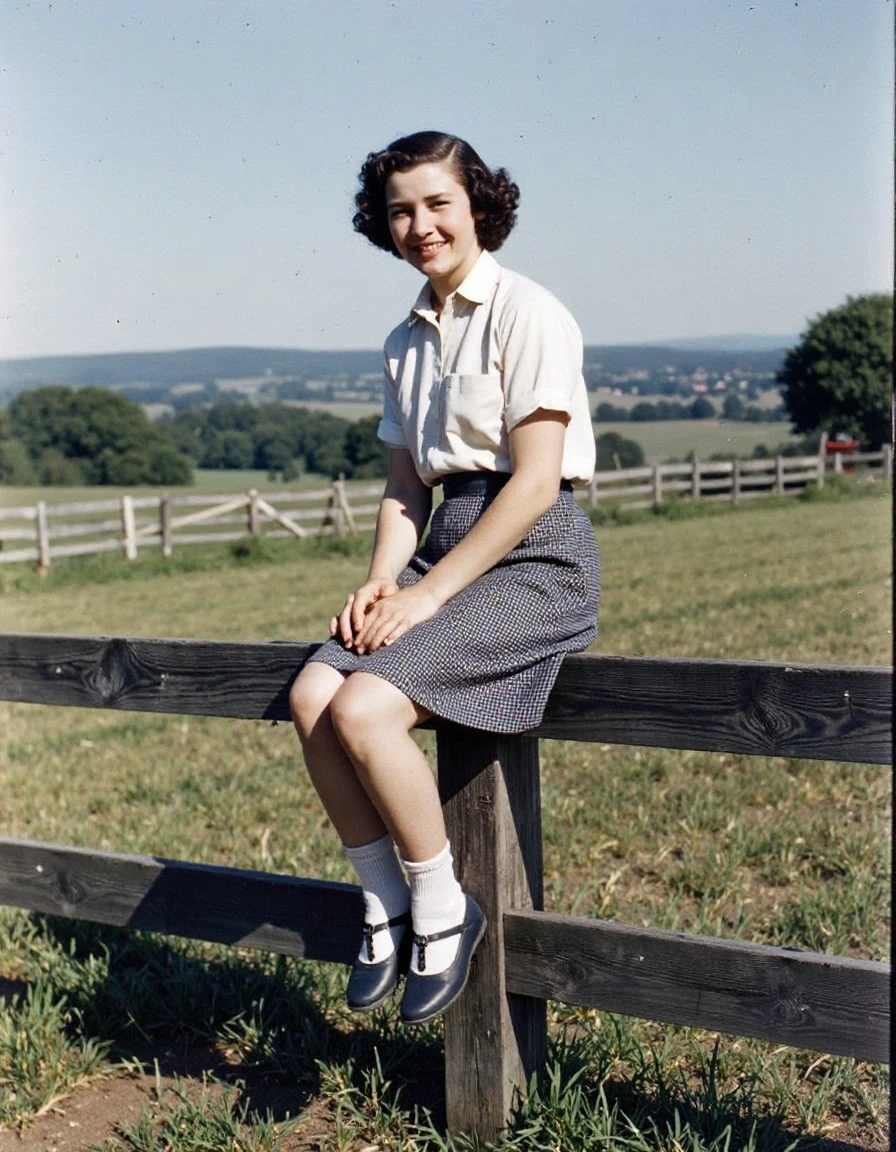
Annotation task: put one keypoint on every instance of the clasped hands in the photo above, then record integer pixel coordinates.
(379, 612)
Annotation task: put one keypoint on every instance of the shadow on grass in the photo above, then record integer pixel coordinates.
(276, 1029)
(271, 1024)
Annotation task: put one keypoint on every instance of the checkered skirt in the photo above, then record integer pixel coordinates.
(489, 657)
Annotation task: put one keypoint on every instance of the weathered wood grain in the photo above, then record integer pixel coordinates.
(493, 1041)
(314, 919)
(794, 710)
(190, 677)
(797, 710)
(803, 999)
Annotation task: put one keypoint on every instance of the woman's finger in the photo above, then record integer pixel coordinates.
(346, 631)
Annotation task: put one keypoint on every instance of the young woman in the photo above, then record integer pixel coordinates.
(484, 396)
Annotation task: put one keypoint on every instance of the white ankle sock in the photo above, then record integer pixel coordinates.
(437, 903)
(386, 894)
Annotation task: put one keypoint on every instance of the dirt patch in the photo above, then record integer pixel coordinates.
(99, 1111)
(90, 1116)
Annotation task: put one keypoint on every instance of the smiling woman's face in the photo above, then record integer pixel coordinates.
(432, 224)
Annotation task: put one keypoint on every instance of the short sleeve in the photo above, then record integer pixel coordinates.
(390, 428)
(541, 355)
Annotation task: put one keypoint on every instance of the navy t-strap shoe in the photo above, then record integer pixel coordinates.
(428, 995)
(371, 984)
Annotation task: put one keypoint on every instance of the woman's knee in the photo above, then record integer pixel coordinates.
(310, 697)
(368, 711)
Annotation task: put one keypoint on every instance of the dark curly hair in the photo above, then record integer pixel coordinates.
(494, 197)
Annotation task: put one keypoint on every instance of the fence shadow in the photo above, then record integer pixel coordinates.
(262, 1027)
(173, 1012)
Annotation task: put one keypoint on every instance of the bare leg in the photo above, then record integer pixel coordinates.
(365, 840)
(372, 721)
(372, 777)
(332, 773)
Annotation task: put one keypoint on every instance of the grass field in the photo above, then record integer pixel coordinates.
(787, 852)
(222, 482)
(664, 440)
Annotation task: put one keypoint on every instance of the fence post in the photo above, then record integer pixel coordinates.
(592, 491)
(494, 1042)
(657, 485)
(165, 525)
(735, 480)
(254, 523)
(779, 475)
(337, 512)
(887, 461)
(695, 477)
(347, 520)
(822, 450)
(43, 538)
(128, 527)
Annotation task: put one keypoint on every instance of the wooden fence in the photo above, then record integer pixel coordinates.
(495, 1035)
(45, 531)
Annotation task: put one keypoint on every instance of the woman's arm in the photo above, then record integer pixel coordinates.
(402, 518)
(403, 515)
(536, 453)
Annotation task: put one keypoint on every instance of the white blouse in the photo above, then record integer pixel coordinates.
(456, 384)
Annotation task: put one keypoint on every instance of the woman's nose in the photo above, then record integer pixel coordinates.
(421, 224)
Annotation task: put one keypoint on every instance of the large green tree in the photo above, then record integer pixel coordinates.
(93, 436)
(615, 451)
(839, 377)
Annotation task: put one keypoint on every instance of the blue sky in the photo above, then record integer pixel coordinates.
(180, 173)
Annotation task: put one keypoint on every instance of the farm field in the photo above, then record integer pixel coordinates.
(664, 440)
(768, 398)
(221, 482)
(788, 852)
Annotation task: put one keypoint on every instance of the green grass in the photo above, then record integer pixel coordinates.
(664, 440)
(223, 482)
(776, 851)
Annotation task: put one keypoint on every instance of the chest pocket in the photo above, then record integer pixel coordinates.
(473, 410)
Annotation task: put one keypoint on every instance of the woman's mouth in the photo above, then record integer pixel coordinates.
(424, 251)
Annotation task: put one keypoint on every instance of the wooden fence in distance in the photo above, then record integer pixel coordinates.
(43, 532)
(495, 1035)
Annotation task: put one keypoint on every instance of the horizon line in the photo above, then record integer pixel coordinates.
(724, 342)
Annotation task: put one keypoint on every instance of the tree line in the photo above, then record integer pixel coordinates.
(282, 440)
(67, 436)
(64, 436)
(701, 408)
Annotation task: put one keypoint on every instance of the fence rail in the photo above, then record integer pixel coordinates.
(495, 1035)
(45, 531)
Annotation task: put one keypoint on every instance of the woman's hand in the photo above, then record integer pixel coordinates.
(391, 616)
(350, 621)
(403, 514)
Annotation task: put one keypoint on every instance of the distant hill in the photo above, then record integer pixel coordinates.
(188, 366)
(736, 343)
(140, 371)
